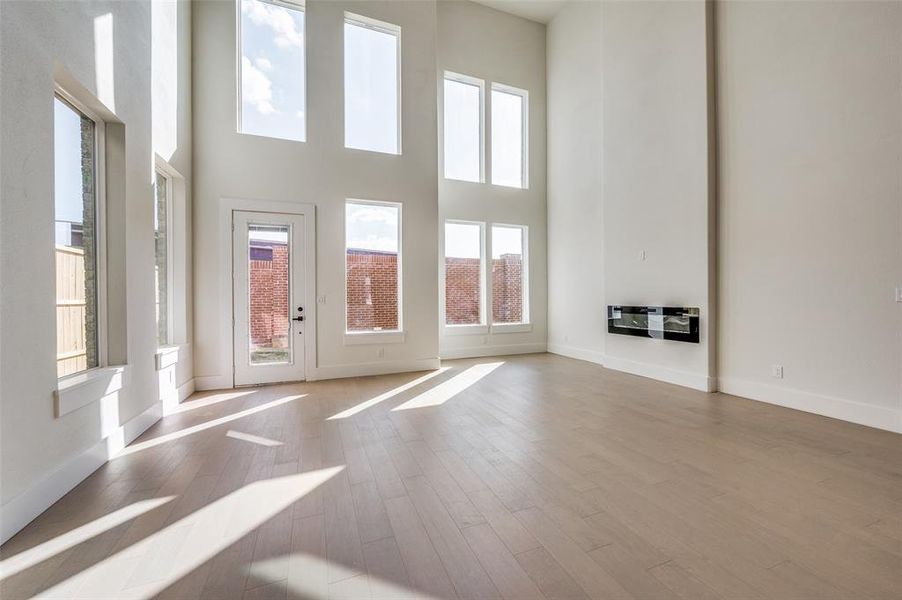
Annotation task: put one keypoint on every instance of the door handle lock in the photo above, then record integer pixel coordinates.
(298, 319)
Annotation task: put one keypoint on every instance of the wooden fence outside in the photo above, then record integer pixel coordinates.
(71, 311)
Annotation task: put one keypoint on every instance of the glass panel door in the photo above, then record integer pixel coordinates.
(269, 297)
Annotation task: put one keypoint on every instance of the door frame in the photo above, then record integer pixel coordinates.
(227, 206)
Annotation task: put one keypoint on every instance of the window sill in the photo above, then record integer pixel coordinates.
(166, 356)
(81, 389)
(512, 328)
(466, 329)
(374, 337)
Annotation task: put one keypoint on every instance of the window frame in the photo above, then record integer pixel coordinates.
(100, 227)
(299, 5)
(480, 83)
(382, 27)
(466, 328)
(525, 323)
(170, 258)
(524, 132)
(372, 336)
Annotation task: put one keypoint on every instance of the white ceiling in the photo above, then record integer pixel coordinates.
(535, 10)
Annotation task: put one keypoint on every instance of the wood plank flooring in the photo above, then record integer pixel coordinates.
(541, 477)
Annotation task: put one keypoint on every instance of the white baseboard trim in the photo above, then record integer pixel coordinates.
(586, 354)
(213, 382)
(687, 379)
(24, 508)
(375, 368)
(879, 417)
(186, 389)
(492, 350)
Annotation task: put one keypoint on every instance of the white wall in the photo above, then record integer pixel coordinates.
(810, 131)
(171, 111)
(656, 185)
(576, 306)
(44, 456)
(498, 47)
(809, 193)
(629, 173)
(322, 172)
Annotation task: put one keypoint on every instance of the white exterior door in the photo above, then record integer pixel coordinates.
(269, 280)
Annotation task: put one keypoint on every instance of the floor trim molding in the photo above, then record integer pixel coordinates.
(592, 356)
(24, 508)
(687, 379)
(879, 417)
(492, 350)
(374, 368)
(186, 389)
(203, 383)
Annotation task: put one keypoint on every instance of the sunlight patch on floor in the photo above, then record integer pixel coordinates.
(385, 396)
(254, 439)
(206, 425)
(70, 539)
(448, 389)
(308, 576)
(208, 401)
(148, 567)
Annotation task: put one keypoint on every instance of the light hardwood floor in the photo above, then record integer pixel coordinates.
(539, 477)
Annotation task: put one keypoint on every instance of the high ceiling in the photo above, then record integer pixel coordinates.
(535, 10)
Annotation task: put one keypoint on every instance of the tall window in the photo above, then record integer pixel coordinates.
(463, 128)
(373, 266)
(271, 69)
(464, 273)
(509, 136)
(162, 210)
(509, 274)
(372, 85)
(75, 149)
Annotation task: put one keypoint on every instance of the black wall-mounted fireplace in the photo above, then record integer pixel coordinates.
(678, 323)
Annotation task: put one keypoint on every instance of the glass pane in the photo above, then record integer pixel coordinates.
(161, 251)
(75, 204)
(269, 280)
(463, 274)
(507, 275)
(507, 139)
(272, 71)
(462, 127)
(373, 270)
(371, 89)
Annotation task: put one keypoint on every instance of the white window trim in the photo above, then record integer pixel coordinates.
(525, 324)
(387, 336)
(177, 253)
(524, 125)
(382, 27)
(170, 262)
(470, 328)
(480, 83)
(291, 5)
(100, 233)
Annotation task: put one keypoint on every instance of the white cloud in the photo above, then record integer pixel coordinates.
(263, 64)
(277, 18)
(256, 88)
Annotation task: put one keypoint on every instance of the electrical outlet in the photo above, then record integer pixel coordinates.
(776, 371)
